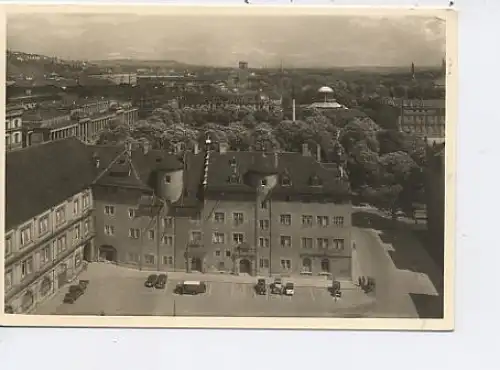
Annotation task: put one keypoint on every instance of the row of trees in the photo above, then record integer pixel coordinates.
(384, 165)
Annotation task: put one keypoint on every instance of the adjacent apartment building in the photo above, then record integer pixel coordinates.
(48, 220)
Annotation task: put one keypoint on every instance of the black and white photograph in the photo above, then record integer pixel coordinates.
(226, 166)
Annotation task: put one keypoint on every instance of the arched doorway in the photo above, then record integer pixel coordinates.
(27, 301)
(245, 266)
(108, 253)
(46, 286)
(87, 252)
(325, 265)
(196, 264)
(307, 265)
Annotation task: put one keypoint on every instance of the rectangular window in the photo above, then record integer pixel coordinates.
(263, 205)
(219, 217)
(286, 241)
(264, 242)
(195, 237)
(238, 238)
(168, 240)
(151, 234)
(109, 210)
(26, 267)
(264, 263)
(76, 206)
(218, 238)
(264, 224)
(217, 253)
(8, 280)
(133, 257)
(168, 222)
(338, 221)
(61, 244)
(131, 213)
(86, 226)
(25, 236)
(228, 253)
(134, 233)
(286, 220)
(322, 221)
(60, 216)
(8, 246)
(307, 220)
(307, 243)
(238, 218)
(76, 234)
(43, 225)
(322, 243)
(286, 264)
(109, 230)
(86, 200)
(168, 260)
(45, 255)
(338, 244)
(149, 259)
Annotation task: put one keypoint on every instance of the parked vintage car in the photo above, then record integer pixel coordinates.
(161, 281)
(74, 292)
(289, 289)
(151, 281)
(277, 286)
(191, 287)
(261, 287)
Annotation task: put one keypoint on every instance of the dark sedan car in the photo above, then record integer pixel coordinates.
(260, 287)
(161, 281)
(151, 280)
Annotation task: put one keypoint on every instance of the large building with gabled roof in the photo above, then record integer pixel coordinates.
(203, 208)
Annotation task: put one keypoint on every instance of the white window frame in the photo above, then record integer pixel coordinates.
(26, 239)
(76, 206)
(284, 238)
(219, 220)
(109, 230)
(60, 215)
(192, 239)
(109, 210)
(218, 237)
(286, 219)
(320, 219)
(151, 234)
(26, 268)
(8, 245)
(168, 240)
(134, 233)
(321, 243)
(237, 220)
(338, 221)
(146, 262)
(264, 224)
(264, 242)
(44, 220)
(238, 242)
(307, 220)
(304, 243)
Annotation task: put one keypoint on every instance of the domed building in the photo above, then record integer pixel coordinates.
(328, 102)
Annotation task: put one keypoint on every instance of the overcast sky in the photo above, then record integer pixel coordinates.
(306, 41)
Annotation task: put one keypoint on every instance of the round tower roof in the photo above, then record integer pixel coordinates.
(325, 89)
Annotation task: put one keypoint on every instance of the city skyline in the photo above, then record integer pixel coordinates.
(314, 41)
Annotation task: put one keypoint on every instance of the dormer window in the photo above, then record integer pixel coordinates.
(315, 181)
(167, 179)
(263, 182)
(285, 181)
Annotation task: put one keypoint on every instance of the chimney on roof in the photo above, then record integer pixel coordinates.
(223, 147)
(145, 147)
(305, 149)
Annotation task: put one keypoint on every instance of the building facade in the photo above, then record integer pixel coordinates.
(48, 234)
(425, 118)
(13, 127)
(215, 220)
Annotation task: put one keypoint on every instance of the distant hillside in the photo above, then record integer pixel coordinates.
(36, 66)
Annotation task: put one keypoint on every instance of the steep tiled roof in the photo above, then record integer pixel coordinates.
(40, 177)
(301, 171)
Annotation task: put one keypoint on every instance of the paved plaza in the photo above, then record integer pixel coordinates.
(121, 291)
